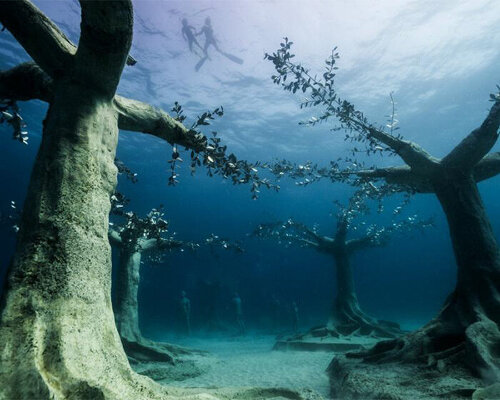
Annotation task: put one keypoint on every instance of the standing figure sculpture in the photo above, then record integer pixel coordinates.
(185, 304)
(238, 314)
(295, 317)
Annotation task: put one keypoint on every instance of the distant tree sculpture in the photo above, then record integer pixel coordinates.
(57, 331)
(347, 317)
(136, 238)
(466, 331)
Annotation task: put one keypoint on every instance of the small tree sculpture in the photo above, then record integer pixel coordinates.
(347, 317)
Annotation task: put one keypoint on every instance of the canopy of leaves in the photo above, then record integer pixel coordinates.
(213, 155)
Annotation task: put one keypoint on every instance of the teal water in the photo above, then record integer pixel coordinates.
(439, 58)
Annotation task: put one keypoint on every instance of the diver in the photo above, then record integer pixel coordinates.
(238, 313)
(208, 31)
(187, 34)
(209, 36)
(186, 313)
(295, 317)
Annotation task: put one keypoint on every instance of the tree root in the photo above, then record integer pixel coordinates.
(438, 344)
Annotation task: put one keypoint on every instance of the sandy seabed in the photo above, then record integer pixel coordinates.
(249, 361)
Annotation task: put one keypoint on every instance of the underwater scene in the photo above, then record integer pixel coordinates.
(249, 199)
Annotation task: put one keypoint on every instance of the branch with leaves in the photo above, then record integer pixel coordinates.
(470, 154)
(292, 232)
(28, 81)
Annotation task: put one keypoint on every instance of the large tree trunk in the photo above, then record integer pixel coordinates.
(472, 312)
(347, 318)
(57, 334)
(466, 331)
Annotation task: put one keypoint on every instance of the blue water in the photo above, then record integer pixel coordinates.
(441, 61)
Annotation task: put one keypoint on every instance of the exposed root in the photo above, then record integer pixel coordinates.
(442, 343)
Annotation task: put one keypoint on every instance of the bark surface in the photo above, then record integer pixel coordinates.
(58, 338)
(466, 332)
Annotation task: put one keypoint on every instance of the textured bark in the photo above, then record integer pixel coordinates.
(57, 335)
(347, 317)
(28, 81)
(466, 331)
(58, 338)
(127, 290)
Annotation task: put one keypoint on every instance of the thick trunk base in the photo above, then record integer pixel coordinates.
(354, 379)
(163, 361)
(52, 350)
(461, 335)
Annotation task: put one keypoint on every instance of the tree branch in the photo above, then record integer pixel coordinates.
(411, 153)
(27, 81)
(105, 40)
(402, 175)
(137, 116)
(38, 35)
(471, 150)
(364, 242)
(114, 237)
(309, 243)
(162, 244)
(488, 167)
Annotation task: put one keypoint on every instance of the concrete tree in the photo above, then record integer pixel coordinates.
(57, 332)
(466, 331)
(346, 317)
(138, 238)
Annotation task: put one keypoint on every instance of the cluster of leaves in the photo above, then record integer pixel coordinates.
(287, 233)
(11, 218)
(214, 241)
(293, 77)
(292, 232)
(123, 169)
(154, 226)
(306, 173)
(9, 113)
(495, 97)
(213, 155)
(135, 228)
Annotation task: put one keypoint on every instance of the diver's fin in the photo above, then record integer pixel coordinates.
(235, 59)
(200, 63)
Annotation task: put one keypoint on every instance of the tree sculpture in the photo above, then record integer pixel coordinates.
(136, 238)
(57, 333)
(347, 317)
(466, 331)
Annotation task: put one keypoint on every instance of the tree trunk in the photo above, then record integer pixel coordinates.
(466, 331)
(347, 317)
(126, 307)
(57, 333)
(127, 290)
(346, 301)
(472, 312)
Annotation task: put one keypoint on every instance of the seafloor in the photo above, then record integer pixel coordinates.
(250, 361)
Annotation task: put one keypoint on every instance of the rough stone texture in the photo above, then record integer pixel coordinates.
(58, 338)
(353, 379)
